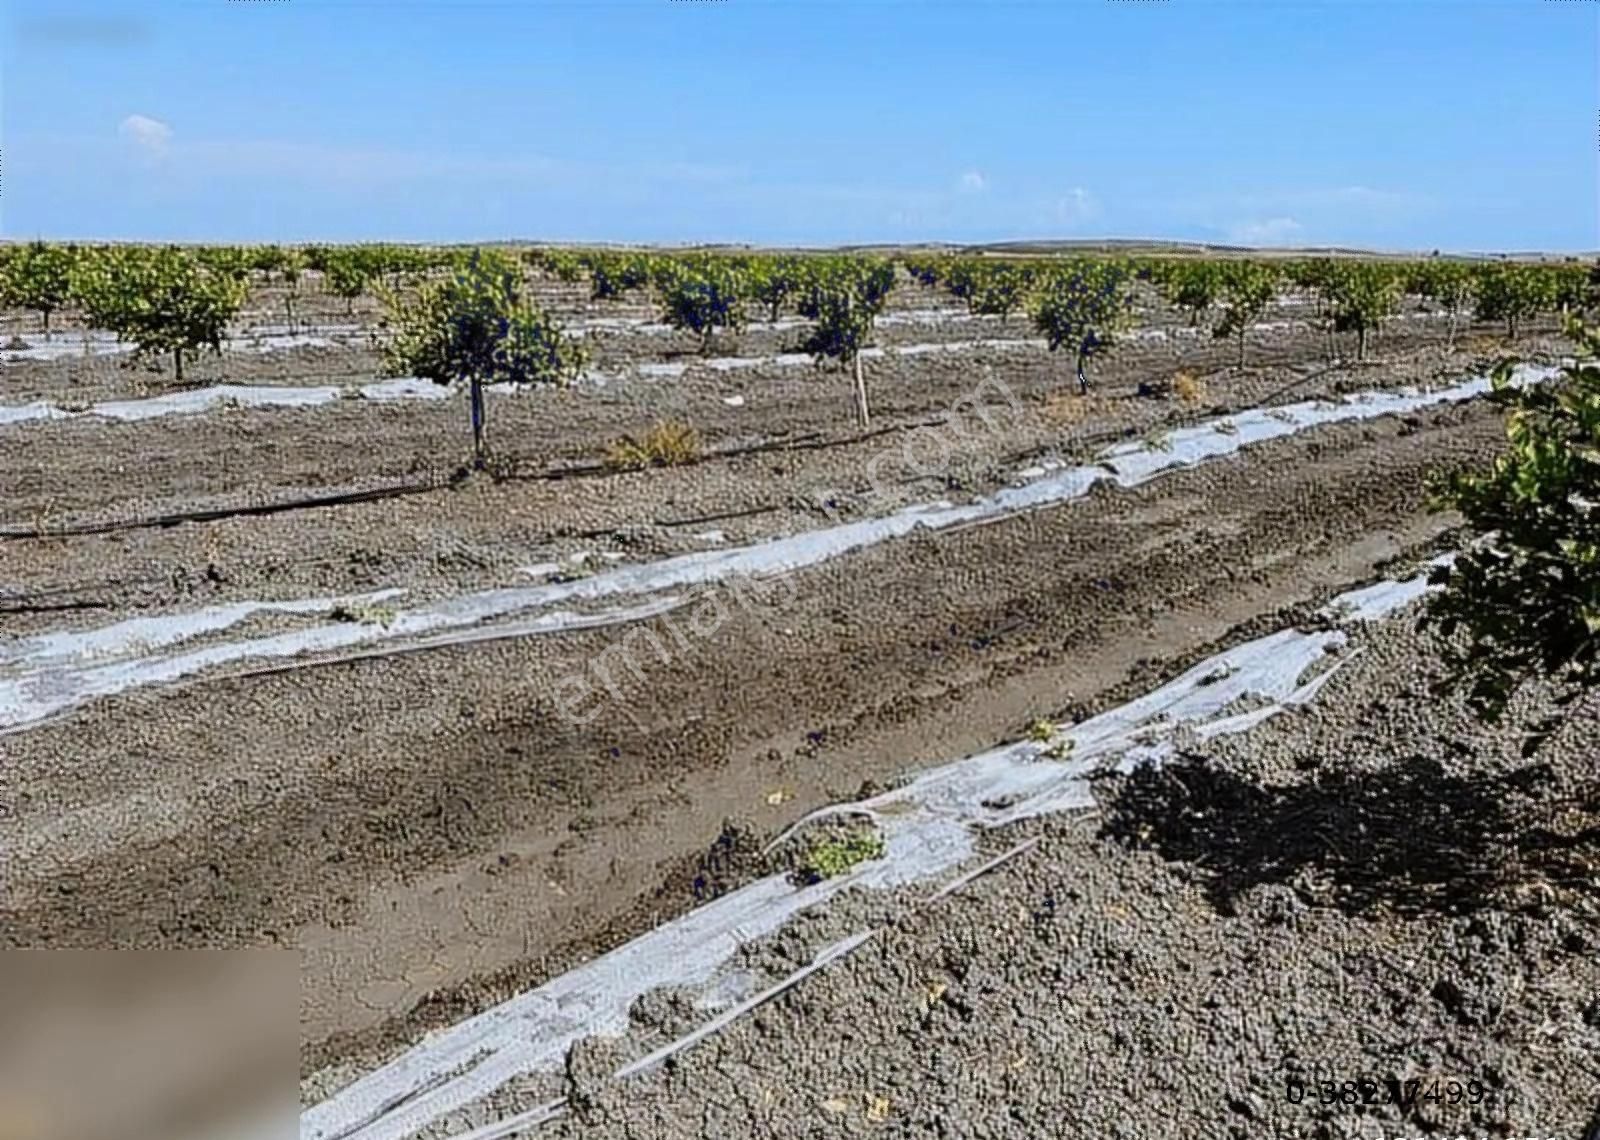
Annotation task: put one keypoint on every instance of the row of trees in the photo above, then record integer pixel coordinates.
(706, 292)
(45, 278)
(1354, 296)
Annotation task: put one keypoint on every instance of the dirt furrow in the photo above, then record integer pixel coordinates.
(432, 823)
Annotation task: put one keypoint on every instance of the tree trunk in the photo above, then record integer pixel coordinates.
(475, 392)
(46, 323)
(1450, 337)
(863, 414)
(288, 305)
(1241, 346)
(1361, 343)
(1083, 380)
(1511, 327)
(177, 363)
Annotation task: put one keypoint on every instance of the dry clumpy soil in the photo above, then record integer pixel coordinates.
(433, 837)
(1377, 889)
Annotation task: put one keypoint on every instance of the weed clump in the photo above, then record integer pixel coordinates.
(365, 614)
(1187, 388)
(830, 858)
(668, 444)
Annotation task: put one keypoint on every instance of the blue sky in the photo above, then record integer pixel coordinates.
(1401, 124)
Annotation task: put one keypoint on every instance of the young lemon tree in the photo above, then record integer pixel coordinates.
(347, 274)
(37, 277)
(1247, 289)
(477, 326)
(1001, 288)
(705, 298)
(292, 266)
(1513, 293)
(164, 300)
(1082, 306)
(1364, 297)
(773, 281)
(1448, 284)
(1192, 286)
(844, 297)
(1528, 594)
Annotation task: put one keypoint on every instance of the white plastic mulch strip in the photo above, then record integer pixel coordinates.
(410, 388)
(1376, 601)
(244, 395)
(29, 694)
(96, 342)
(930, 827)
(49, 674)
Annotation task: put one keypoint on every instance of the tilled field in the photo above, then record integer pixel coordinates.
(434, 835)
(1369, 892)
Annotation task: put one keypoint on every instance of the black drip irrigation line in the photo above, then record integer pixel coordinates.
(812, 441)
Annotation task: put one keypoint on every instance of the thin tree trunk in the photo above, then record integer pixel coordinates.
(46, 323)
(863, 414)
(475, 391)
(1361, 343)
(177, 363)
(1083, 379)
(1241, 346)
(1450, 337)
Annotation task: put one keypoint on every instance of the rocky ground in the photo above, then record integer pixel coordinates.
(432, 835)
(1272, 936)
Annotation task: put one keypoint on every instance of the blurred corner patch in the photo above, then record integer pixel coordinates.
(149, 1044)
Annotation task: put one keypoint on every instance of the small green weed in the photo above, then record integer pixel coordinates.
(834, 857)
(366, 614)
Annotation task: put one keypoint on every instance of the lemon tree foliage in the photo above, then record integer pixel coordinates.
(844, 297)
(926, 271)
(1448, 284)
(704, 298)
(1364, 295)
(1513, 293)
(38, 277)
(1192, 286)
(774, 281)
(477, 326)
(225, 260)
(347, 274)
(1081, 306)
(291, 267)
(1528, 595)
(563, 265)
(165, 301)
(1247, 289)
(613, 274)
(1001, 288)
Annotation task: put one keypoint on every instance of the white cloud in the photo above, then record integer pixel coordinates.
(1076, 205)
(1272, 231)
(150, 135)
(973, 182)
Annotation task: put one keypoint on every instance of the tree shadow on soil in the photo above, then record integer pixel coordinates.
(1410, 838)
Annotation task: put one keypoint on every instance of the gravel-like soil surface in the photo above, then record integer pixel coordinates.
(1375, 889)
(433, 836)
(418, 822)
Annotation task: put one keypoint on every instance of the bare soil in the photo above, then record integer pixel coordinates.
(427, 829)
